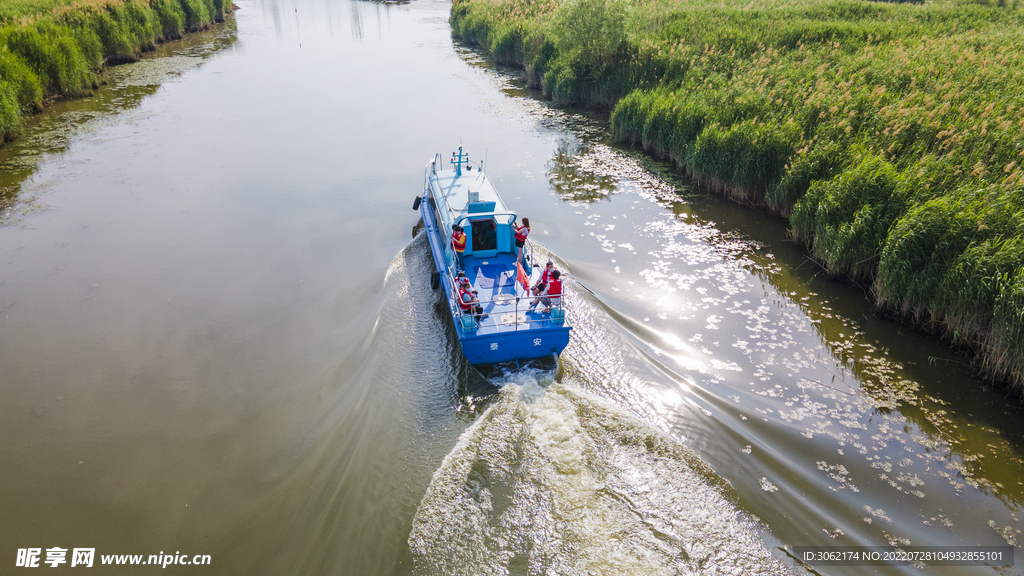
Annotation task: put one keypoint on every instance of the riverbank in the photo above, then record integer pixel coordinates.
(52, 50)
(889, 135)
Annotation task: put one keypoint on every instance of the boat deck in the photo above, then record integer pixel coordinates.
(494, 279)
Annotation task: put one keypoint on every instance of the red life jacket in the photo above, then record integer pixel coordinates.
(459, 241)
(464, 297)
(521, 233)
(555, 288)
(545, 276)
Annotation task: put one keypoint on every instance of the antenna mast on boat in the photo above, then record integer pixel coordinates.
(458, 160)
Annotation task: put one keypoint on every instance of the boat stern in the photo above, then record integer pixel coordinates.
(524, 345)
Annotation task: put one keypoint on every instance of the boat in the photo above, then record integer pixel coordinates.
(509, 330)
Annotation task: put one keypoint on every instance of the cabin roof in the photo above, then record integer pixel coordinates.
(456, 190)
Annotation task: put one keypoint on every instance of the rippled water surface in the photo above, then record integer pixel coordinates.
(217, 337)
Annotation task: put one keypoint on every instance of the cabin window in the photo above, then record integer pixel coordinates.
(485, 235)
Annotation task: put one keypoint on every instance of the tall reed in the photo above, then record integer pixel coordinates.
(891, 134)
(53, 48)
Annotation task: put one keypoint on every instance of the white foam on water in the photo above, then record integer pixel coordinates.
(550, 480)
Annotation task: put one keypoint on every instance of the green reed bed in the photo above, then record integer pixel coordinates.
(53, 48)
(891, 135)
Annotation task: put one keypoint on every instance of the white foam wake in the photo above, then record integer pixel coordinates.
(552, 481)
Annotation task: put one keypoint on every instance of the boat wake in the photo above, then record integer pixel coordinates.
(550, 479)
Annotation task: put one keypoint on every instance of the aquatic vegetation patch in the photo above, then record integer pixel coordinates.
(891, 134)
(54, 48)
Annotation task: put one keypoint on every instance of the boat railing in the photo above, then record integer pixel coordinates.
(528, 254)
(478, 215)
(431, 168)
(470, 321)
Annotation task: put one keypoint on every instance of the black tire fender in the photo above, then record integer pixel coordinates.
(435, 280)
(416, 203)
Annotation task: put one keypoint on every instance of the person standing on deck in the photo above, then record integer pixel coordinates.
(459, 245)
(521, 233)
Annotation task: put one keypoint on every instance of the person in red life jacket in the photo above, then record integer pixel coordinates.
(521, 233)
(459, 245)
(542, 283)
(545, 275)
(469, 302)
(553, 297)
(465, 294)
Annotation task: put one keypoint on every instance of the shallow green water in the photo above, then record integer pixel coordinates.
(217, 337)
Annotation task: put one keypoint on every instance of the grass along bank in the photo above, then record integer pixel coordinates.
(52, 49)
(891, 135)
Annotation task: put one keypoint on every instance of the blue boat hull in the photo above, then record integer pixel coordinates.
(524, 345)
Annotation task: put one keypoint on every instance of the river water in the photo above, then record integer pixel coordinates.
(217, 337)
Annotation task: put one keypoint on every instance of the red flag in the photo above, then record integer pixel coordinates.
(522, 277)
